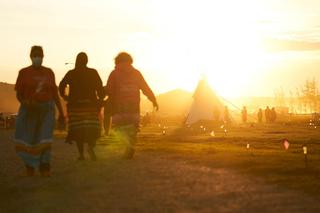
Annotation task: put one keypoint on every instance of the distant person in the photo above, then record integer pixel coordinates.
(216, 115)
(37, 93)
(107, 117)
(2, 121)
(123, 87)
(267, 114)
(244, 114)
(260, 115)
(273, 115)
(84, 103)
(7, 122)
(12, 121)
(226, 115)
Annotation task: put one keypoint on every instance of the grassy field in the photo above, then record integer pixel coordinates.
(185, 170)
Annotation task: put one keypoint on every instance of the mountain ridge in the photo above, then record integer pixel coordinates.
(170, 102)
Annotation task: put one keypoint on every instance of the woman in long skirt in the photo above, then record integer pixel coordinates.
(37, 93)
(85, 100)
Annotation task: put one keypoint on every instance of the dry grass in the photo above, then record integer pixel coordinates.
(266, 157)
(181, 171)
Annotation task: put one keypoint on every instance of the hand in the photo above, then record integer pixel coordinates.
(156, 106)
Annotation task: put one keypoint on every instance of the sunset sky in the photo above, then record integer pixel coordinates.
(244, 47)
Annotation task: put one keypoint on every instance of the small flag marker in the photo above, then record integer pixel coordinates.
(286, 144)
(305, 152)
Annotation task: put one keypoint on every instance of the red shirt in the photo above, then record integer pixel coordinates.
(36, 84)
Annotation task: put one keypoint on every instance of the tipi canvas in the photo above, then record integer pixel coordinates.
(206, 105)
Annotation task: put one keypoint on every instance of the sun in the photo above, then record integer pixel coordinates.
(218, 41)
(234, 68)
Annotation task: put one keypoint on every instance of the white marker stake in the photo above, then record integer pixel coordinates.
(212, 134)
(305, 152)
(164, 132)
(225, 132)
(248, 146)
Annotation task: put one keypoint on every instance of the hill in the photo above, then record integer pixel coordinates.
(8, 101)
(175, 102)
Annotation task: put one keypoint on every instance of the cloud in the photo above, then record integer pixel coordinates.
(274, 44)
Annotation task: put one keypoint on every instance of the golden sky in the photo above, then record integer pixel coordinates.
(244, 47)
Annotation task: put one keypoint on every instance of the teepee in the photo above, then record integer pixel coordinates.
(206, 105)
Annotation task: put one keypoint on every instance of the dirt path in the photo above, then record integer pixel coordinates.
(152, 182)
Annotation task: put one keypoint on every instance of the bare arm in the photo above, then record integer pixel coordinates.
(62, 86)
(19, 97)
(109, 88)
(147, 91)
(57, 98)
(18, 87)
(58, 103)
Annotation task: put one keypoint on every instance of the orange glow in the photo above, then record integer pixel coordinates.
(173, 43)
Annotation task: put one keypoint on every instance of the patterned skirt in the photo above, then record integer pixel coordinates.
(34, 133)
(83, 123)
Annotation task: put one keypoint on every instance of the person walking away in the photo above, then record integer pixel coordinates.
(2, 121)
(216, 115)
(273, 115)
(146, 120)
(37, 93)
(84, 103)
(123, 89)
(260, 115)
(244, 114)
(267, 114)
(226, 116)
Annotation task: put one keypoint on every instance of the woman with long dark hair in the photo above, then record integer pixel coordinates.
(84, 102)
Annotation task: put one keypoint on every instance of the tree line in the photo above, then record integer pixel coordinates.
(305, 98)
